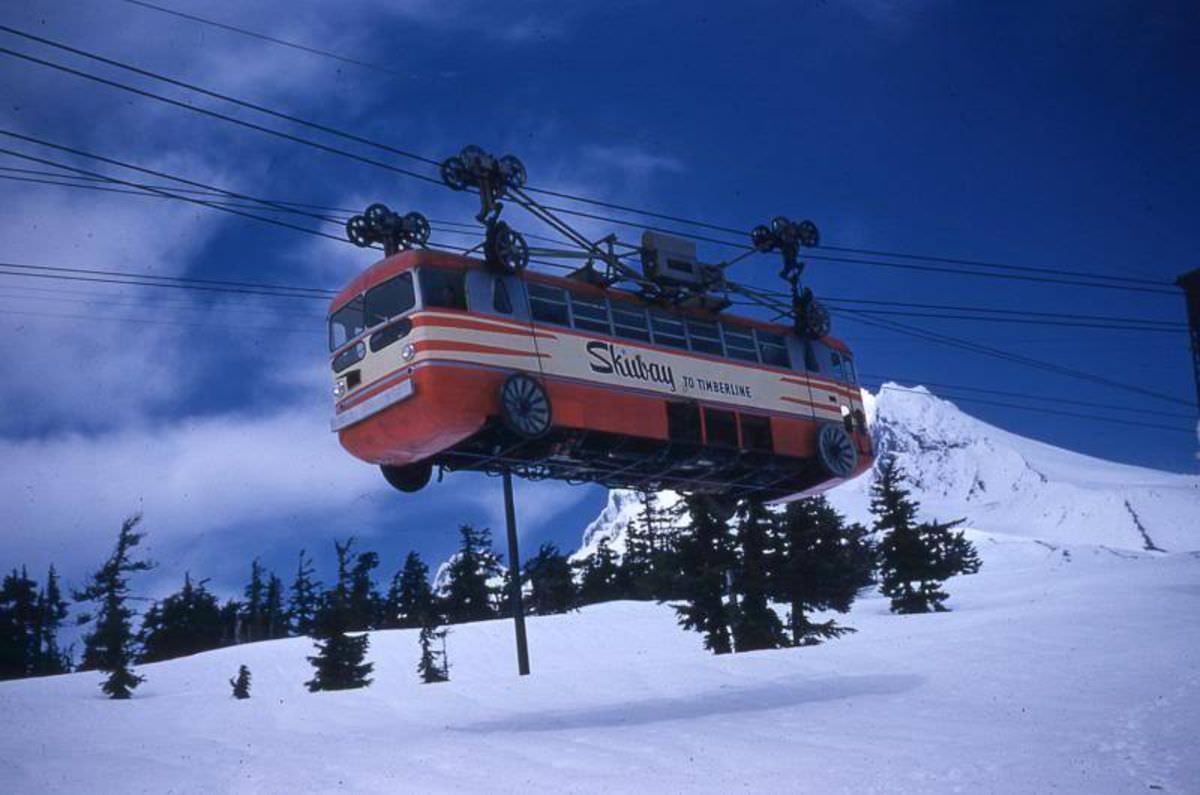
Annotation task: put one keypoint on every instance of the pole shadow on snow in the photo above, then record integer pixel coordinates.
(725, 701)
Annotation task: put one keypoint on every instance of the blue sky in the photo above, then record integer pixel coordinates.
(1053, 135)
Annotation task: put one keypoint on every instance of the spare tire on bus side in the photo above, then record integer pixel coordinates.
(410, 478)
(525, 406)
(836, 452)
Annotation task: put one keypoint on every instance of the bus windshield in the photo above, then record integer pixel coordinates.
(346, 323)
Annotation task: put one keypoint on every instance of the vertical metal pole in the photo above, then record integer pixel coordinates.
(514, 577)
(1190, 284)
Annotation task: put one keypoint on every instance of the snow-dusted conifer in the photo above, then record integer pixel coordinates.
(600, 578)
(705, 556)
(755, 625)
(339, 660)
(305, 597)
(468, 595)
(109, 647)
(552, 585)
(241, 684)
(915, 559)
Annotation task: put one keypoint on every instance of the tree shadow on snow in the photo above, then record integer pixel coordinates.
(724, 701)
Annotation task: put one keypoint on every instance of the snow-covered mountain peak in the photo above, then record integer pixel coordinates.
(959, 467)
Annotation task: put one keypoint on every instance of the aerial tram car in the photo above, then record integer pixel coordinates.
(606, 374)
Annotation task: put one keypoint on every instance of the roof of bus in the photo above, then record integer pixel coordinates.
(388, 267)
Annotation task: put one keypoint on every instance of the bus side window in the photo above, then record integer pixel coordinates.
(548, 304)
(668, 330)
(442, 288)
(629, 321)
(773, 349)
(501, 301)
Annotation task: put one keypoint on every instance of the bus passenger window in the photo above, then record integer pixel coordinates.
(739, 343)
(773, 348)
(442, 288)
(668, 330)
(851, 375)
(705, 337)
(548, 304)
(630, 322)
(590, 314)
(390, 299)
(501, 301)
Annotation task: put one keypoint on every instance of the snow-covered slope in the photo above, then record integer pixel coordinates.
(1067, 669)
(962, 468)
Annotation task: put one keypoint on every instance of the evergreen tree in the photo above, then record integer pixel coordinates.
(705, 557)
(254, 619)
(52, 611)
(600, 578)
(339, 660)
(755, 625)
(820, 564)
(19, 618)
(186, 622)
(241, 685)
(275, 616)
(231, 622)
(915, 559)
(410, 598)
(434, 665)
(305, 598)
(364, 599)
(109, 647)
(468, 595)
(552, 586)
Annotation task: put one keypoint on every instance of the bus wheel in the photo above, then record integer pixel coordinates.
(836, 451)
(721, 506)
(525, 406)
(413, 477)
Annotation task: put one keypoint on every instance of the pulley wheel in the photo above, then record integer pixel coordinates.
(817, 323)
(454, 173)
(475, 159)
(761, 238)
(836, 451)
(379, 217)
(809, 236)
(785, 230)
(525, 406)
(358, 231)
(513, 170)
(416, 228)
(506, 249)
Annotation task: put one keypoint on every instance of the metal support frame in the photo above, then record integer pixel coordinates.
(514, 576)
(1190, 284)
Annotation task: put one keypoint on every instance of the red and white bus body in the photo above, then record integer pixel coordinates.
(641, 396)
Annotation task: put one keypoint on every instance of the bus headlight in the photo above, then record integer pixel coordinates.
(408, 352)
(339, 388)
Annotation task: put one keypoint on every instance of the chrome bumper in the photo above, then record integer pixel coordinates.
(372, 405)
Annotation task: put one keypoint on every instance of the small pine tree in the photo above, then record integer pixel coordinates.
(109, 647)
(820, 563)
(364, 599)
(339, 660)
(19, 615)
(434, 665)
(410, 598)
(241, 685)
(705, 555)
(551, 584)
(755, 625)
(275, 617)
(600, 576)
(305, 598)
(915, 559)
(254, 623)
(468, 596)
(186, 622)
(52, 611)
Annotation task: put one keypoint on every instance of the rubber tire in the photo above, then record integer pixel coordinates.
(409, 479)
(519, 395)
(721, 506)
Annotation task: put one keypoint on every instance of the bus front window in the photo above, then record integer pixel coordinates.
(442, 288)
(346, 323)
(389, 299)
